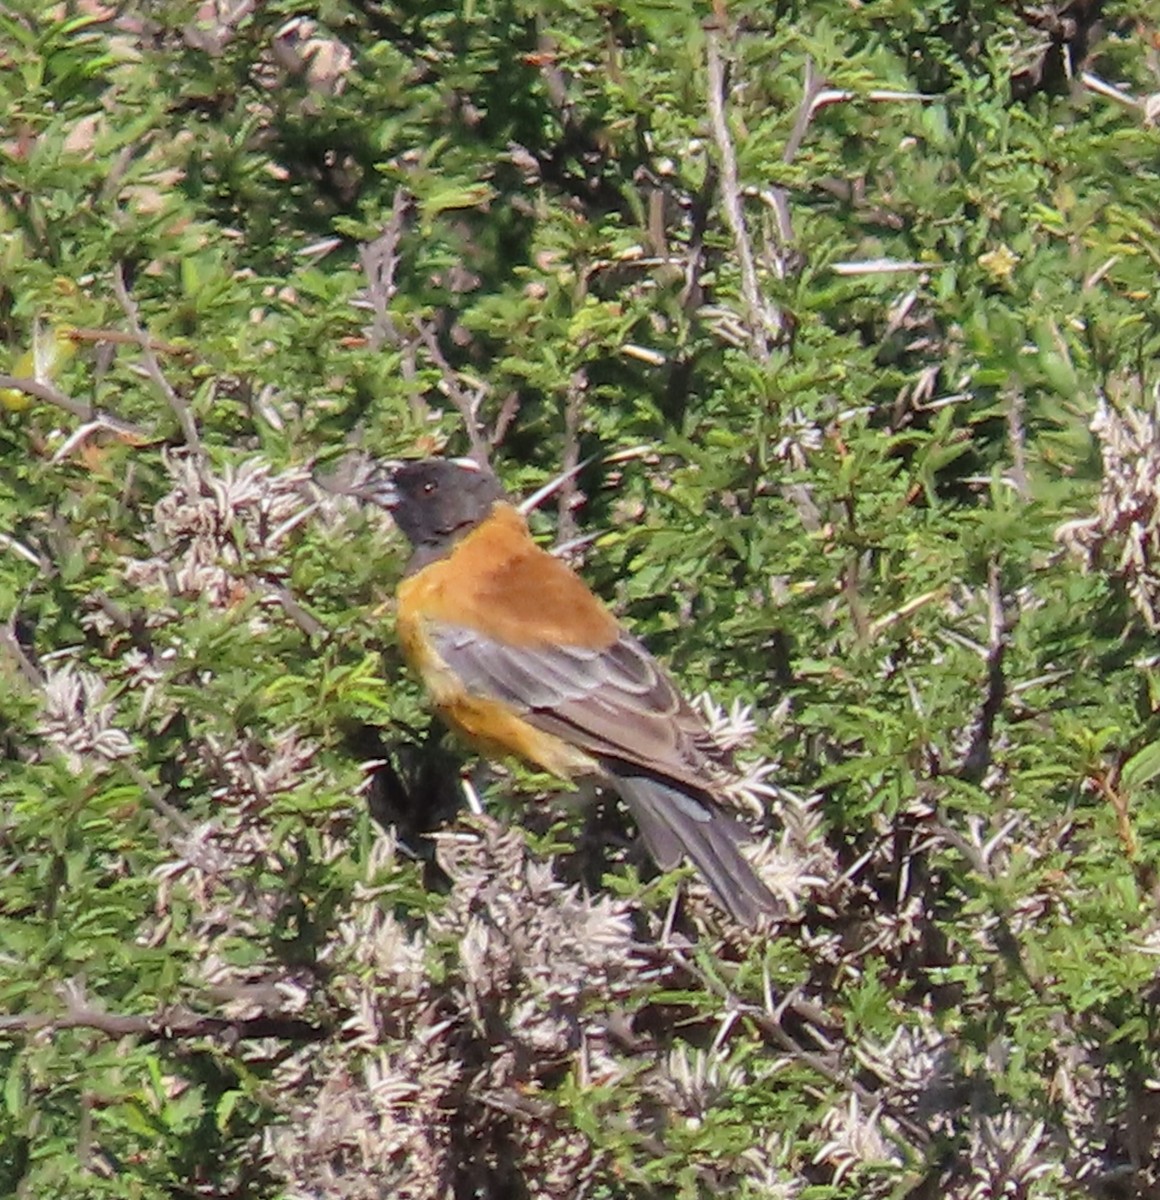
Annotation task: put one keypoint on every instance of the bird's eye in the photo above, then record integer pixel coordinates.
(428, 488)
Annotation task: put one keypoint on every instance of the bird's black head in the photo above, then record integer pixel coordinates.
(434, 501)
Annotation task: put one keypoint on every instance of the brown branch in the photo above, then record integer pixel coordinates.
(508, 411)
(764, 324)
(160, 805)
(281, 595)
(1108, 787)
(75, 408)
(692, 293)
(465, 403)
(1017, 436)
(777, 198)
(169, 1025)
(380, 262)
(811, 89)
(180, 408)
(118, 337)
(978, 756)
(10, 644)
(566, 497)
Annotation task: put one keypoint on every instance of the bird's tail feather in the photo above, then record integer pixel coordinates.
(675, 824)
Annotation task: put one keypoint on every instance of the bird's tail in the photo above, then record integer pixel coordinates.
(675, 824)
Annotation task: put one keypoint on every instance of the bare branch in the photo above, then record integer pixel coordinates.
(1018, 437)
(692, 293)
(531, 503)
(465, 403)
(566, 496)
(157, 801)
(811, 89)
(10, 644)
(828, 96)
(180, 408)
(380, 261)
(1149, 107)
(764, 323)
(880, 266)
(654, 358)
(309, 624)
(508, 411)
(816, 96)
(169, 1025)
(118, 337)
(7, 542)
(978, 756)
(85, 412)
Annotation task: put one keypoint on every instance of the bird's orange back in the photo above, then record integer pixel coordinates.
(498, 581)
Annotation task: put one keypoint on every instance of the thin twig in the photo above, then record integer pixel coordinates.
(693, 293)
(881, 266)
(1018, 438)
(85, 412)
(654, 358)
(764, 325)
(309, 624)
(380, 262)
(978, 756)
(180, 408)
(169, 1025)
(1108, 785)
(7, 542)
(1098, 274)
(566, 496)
(508, 411)
(531, 503)
(118, 337)
(776, 199)
(160, 805)
(881, 624)
(10, 644)
(1149, 107)
(811, 88)
(466, 404)
(816, 96)
(828, 96)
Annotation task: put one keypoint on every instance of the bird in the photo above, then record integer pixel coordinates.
(521, 659)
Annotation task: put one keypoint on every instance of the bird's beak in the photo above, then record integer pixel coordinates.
(378, 486)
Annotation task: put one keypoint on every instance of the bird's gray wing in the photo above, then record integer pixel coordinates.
(617, 704)
(614, 702)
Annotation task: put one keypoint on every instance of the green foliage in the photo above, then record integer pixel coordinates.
(859, 499)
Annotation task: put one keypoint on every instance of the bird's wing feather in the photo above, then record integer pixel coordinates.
(615, 702)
